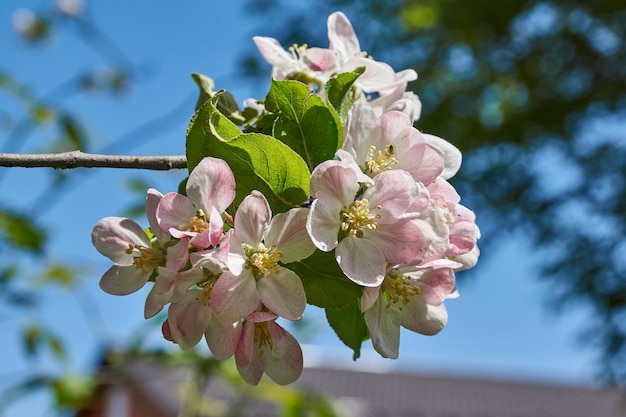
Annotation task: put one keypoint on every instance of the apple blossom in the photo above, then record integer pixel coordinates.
(135, 255)
(389, 142)
(413, 301)
(366, 230)
(256, 246)
(198, 216)
(265, 347)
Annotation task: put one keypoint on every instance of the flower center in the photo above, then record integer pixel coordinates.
(399, 290)
(358, 217)
(379, 161)
(262, 337)
(198, 223)
(265, 259)
(146, 259)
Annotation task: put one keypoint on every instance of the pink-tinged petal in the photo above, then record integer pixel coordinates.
(261, 316)
(443, 190)
(216, 227)
(211, 260)
(222, 339)
(424, 318)
(211, 184)
(435, 285)
(283, 363)
(197, 240)
(377, 75)
(383, 323)
(319, 59)
(234, 297)
(468, 259)
(394, 191)
(236, 258)
(177, 255)
(111, 237)
(348, 160)
(369, 297)
(173, 211)
(336, 180)
(462, 237)
(324, 222)
(245, 346)
(253, 373)
(432, 165)
(160, 294)
(361, 261)
(399, 242)
(165, 329)
(395, 125)
(153, 198)
(362, 131)
(341, 36)
(288, 232)
(273, 52)
(123, 280)
(252, 219)
(451, 155)
(282, 292)
(189, 319)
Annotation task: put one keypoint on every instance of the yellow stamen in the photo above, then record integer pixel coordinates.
(262, 336)
(399, 290)
(197, 223)
(379, 161)
(265, 259)
(358, 217)
(146, 259)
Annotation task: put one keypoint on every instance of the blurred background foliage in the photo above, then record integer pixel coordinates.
(534, 95)
(532, 92)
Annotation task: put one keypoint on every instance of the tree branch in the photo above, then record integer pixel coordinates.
(78, 159)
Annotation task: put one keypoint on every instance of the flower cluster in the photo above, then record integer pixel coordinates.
(228, 267)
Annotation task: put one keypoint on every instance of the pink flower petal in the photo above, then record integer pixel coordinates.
(177, 255)
(452, 156)
(222, 339)
(284, 362)
(252, 219)
(288, 232)
(153, 198)
(173, 211)
(283, 294)
(123, 280)
(211, 184)
(324, 222)
(111, 236)
(383, 323)
(361, 261)
(336, 180)
(189, 319)
(341, 36)
(234, 297)
(394, 191)
(424, 318)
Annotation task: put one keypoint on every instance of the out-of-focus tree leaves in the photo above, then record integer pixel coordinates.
(36, 337)
(21, 231)
(534, 95)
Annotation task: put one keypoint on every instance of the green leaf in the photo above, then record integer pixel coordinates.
(304, 123)
(339, 92)
(349, 325)
(226, 104)
(259, 162)
(325, 284)
(21, 231)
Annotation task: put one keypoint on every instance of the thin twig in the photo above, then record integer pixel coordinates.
(78, 159)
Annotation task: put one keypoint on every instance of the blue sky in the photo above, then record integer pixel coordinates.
(499, 327)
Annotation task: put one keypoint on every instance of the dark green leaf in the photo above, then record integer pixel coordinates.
(349, 325)
(304, 123)
(259, 162)
(339, 92)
